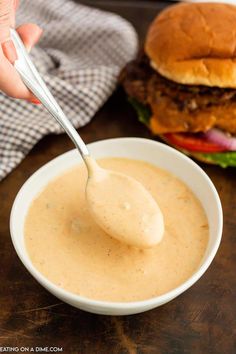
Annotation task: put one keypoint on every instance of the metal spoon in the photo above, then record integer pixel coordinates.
(32, 79)
(140, 225)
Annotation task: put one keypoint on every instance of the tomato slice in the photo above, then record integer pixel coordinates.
(192, 142)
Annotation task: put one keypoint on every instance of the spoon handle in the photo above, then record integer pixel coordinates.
(32, 79)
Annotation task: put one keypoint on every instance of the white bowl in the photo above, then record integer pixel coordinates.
(153, 152)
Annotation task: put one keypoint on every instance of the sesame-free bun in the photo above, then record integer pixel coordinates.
(195, 44)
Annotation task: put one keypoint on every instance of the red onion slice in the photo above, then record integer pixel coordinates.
(219, 137)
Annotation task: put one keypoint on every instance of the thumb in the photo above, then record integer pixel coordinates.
(7, 19)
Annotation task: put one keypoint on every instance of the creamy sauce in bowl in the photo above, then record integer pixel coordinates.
(70, 249)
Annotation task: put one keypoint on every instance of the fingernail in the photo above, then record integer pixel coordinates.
(9, 51)
(40, 31)
(37, 35)
(34, 101)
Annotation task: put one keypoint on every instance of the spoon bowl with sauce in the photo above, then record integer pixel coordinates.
(122, 207)
(110, 195)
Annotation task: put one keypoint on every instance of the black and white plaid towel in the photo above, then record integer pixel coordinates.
(79, 57)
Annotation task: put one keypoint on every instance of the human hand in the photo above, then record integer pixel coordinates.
(10, 81)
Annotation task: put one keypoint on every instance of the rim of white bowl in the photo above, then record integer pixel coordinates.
(154, 301)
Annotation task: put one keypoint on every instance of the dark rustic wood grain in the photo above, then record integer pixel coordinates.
(202, 320)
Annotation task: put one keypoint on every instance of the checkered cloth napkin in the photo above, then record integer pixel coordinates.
(79, 57)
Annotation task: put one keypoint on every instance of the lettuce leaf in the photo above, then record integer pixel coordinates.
(224, 159)
(143, 112)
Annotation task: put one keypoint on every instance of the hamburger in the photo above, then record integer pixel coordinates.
(183, 82)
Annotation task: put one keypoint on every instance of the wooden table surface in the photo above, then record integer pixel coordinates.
(202, 320)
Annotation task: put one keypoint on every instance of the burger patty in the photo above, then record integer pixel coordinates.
(177, 107)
